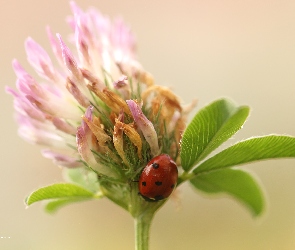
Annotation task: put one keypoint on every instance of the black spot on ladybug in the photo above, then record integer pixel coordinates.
(158, 183)
(143, 183)
(172, 186)
(155, 165)
(159, 197)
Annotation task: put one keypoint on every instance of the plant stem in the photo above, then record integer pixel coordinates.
(184, 177)
(142, 230)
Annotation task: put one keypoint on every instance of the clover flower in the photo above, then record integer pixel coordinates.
(102, 117)
(99, 108)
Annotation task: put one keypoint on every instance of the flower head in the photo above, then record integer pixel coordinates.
(99, 108)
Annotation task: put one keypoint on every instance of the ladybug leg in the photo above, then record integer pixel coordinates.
(159, 197)
(148, 199)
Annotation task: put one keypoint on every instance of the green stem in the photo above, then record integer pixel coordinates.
(184, 177)
(142, 231)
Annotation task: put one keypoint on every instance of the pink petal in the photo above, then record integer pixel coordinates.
(84, 140)
(82, 47)
(20, 72)
(32, 89)
(69, 59)
(93, 80)
(88, 113)
(39, 59)
(63, 126)
(121, 82)
(55, 46)
(36, 133)
(77, 94)
(122, 41)
(11, 91)
(145, 126)
(123, 87)
(61, 160)
(102, 24)
(82, 22)
(23, 106)
(57, 107)
(40, 105)
(77, 11)
(26, 83)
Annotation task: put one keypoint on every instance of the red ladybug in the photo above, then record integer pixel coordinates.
(158, 179)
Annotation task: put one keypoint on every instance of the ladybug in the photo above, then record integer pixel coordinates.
(158, 178)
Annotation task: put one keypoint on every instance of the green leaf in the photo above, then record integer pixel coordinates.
(212, 125)
(84, 178)
(53, 206)
(254, 149)
(60, 190)
(236, 183)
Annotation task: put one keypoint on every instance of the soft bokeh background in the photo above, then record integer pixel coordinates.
(202, 49)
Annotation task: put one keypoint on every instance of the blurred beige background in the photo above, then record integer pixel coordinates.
(203, 49)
